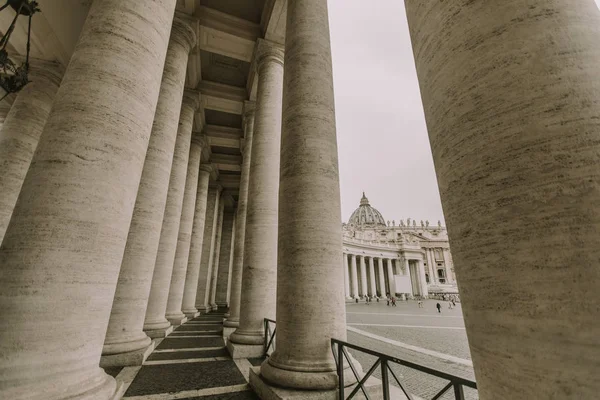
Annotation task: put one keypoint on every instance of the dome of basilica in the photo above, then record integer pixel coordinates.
(365, 215)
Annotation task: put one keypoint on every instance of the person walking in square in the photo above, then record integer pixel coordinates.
(439, 307)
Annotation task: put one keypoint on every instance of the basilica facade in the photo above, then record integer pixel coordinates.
(407, 259)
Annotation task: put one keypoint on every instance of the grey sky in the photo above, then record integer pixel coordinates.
(383, 144)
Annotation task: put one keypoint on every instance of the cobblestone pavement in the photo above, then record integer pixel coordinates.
(414, 326)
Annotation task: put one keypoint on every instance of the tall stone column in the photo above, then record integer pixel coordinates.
(222, 282)
(193, 269)
(217, 256)
(233, 320)
(63, 247)
(156, 324)
(208, 245)
(447, 268)
(382, 289)
(125, 342)
(229, 275)
(522, 143)
(346, 275)
(21, 132)
(372, 283)
(391, 279)
(364, 284)
(259, 276)
(174, 303)
(354, 275)
(310, 237)
(422, 281)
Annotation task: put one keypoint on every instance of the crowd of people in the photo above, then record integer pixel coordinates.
(391, 300)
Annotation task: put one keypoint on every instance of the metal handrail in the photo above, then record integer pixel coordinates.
(383, 360)
(269, 335)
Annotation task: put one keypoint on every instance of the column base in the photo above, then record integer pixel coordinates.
(191, 315)
(203, 309)
(266, 391)
(128, 359)
(228, 330)
(178, 320)
(213, 307)
(237, 350)
(159, 333)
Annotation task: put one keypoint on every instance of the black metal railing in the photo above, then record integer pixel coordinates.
(269, 345)
(338, 348)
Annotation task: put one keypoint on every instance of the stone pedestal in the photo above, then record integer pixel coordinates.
(129, 358)
(125, 328)
(63, 248)
(233, 319)
(310, 300)
(21, 132)
(165, 257)
(259, 276)
(193, 269)
(515, 142)
(174, 304)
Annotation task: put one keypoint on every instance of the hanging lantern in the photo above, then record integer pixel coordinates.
(14, 77)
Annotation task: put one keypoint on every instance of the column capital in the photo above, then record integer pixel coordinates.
(199, 138)
(191, 98)
(206, 168)
(267, 51)
(185, 30)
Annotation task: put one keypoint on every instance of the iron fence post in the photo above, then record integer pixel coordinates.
(458, 392)
(385, 379)
(340, 366)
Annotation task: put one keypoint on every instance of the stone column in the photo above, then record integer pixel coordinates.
(21, 132)
(193, 269)
(208, 245)
(354, 275)
(346, 276)
(63, 247)
(422, 281)
(217, 256)
(522, 143)
(222, 280)
(381, 276)
(391, 280)
(364, 284)
(259, 276)
(447, 267)
(175, 301)
(125, 342)
(372, 283)
(240, 228)
(156, 324)
(230, 255)
(310, 302)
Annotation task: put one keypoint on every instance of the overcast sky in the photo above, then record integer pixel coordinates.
(383, 144)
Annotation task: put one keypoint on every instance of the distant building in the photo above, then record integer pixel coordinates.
(408, 258)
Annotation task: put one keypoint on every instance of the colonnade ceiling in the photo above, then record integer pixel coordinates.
(219, 67)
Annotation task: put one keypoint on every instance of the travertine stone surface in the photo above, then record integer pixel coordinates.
(346, 275)
(391, 279)
(63, 248)
(363, 276)
(372, 286)
(216, 256)
(21, 132)
(175, 300)
(310, 242)
(165, 257)
(125, 327)
(193, 269)
(259, 274)
(511, 97)
(229, 273)
(210, 225)
(222, 282)
(240, 223)
(354, 275)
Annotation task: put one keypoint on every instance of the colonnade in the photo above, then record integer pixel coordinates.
(368, 275)
(119, 230)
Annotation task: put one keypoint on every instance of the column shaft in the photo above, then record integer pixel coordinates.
(156, 323)
(364, 285)
(240, 229)
(222, 282)
(310, 300)
(63, 247)
(382, 289)
(174, 303)
(193, 269)
(125, 328)
(346, 276)
(391, 280)
(372, 283)
(516, 149)
(259, 277)
(354, 275)
(217, 256)
(208, 245)
(21, 132)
